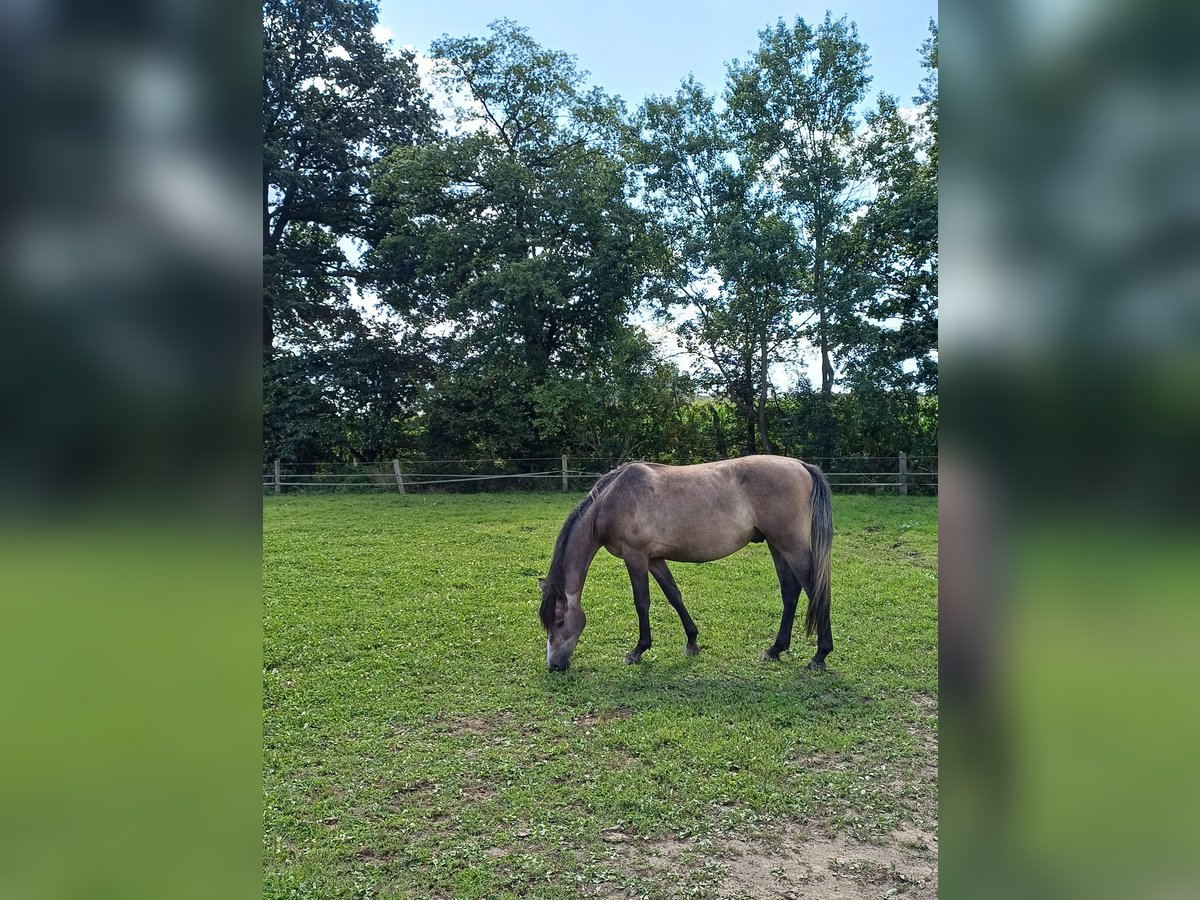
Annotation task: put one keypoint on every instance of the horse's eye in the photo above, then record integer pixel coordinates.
(560, 623)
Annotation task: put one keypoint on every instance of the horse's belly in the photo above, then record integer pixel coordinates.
(705, 548)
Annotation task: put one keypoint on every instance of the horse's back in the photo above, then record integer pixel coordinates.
(706, 511)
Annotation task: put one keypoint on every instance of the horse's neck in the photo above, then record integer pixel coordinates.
(580, 550)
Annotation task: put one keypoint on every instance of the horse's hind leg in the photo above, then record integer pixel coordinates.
(790, 582)
(658, 568)
(824, 642)
(641, 602)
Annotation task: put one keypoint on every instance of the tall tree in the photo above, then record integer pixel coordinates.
(333, 98)
(731, 265)
(900, 237)
(512, 235)
(794, 105)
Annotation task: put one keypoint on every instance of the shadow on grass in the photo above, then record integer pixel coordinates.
(793, 693)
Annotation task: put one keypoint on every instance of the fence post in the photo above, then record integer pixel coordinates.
(277, 476)
(564, 471)
(399, 477)
(903, 474)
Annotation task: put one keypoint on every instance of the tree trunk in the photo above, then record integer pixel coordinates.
(761, 406)
(268, 336)
(746, 390)
(719, 433)
(819, 300)
(751, 431)
(824, 431)
(826, 365)
(767, 446)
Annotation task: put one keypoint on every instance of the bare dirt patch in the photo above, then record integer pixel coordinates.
(926, 703)
(818, 868)
(605, 715)
(420, 786)
(831, 761)
(478, 791)
(473, 724)
(928, 771)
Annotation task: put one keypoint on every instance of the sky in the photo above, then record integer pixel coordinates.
(635, 49)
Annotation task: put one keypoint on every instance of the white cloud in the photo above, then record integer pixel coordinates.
(425, 64)
(445, 98)
(338, 52)
(381, 33)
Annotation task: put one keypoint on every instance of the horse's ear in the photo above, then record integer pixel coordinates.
(542, 582)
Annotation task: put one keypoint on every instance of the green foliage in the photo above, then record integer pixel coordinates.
(628, 404)
(867, 423)
(755, 208)
(415, 746)
(354, 399)
(513, 236)
(333, 97)
(794, 107)
(898, 348)
(299, 422)
(334, 385)
(731, 264)
(481, 407)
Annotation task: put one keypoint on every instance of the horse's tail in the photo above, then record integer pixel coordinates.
(821, 545)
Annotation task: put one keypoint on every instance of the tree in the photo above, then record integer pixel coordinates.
(333, 98)
(891, 366)
(890, 343)
(794, 110)
(512, 236)
(900, 232)
(730, 263)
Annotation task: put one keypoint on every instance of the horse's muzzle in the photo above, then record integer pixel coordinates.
(557, 667)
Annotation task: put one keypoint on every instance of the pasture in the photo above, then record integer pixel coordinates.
(416, 746)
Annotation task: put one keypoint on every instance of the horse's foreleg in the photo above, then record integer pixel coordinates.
(658, 568)
(640, 580)
(789, 589)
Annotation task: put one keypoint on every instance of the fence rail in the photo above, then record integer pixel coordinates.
(900, 473)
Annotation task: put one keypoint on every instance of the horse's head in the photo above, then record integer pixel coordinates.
(563, 621)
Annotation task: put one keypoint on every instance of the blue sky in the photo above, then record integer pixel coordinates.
(640, 48)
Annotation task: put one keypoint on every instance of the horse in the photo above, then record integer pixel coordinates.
(647, 514)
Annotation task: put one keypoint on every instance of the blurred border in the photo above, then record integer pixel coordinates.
(1070, 213)
(130, 530)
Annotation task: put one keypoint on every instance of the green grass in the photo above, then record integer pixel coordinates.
(416, 746)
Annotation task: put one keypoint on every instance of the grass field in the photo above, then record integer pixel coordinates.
(416, 746)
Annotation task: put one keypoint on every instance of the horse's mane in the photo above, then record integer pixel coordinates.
(550, 597)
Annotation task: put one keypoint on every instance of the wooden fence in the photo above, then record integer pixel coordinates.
(900, 474)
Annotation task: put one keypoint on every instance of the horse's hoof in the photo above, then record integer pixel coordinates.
(691, 649)
(632, 657)
(769, 656)
(815, 665)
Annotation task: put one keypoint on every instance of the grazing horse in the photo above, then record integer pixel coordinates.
(646, 514)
